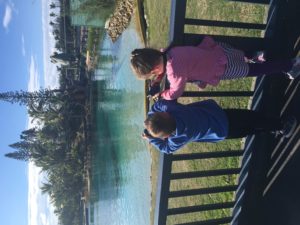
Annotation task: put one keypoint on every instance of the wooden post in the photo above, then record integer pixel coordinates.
(202, 191)
(207, 173)
(217, 94)
(163, 187)
(266, 2)
(207, 155)
(200, 208)
(178, 9)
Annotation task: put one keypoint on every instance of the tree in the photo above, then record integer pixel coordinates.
(21, 145)
(29, 136)
(52, 5)
(22, 154)
(26, 98)
(57, 145)
(100, 9)
(47, 188)
(39, 103)
(20, 97)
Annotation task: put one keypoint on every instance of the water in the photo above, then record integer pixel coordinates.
(120, 190)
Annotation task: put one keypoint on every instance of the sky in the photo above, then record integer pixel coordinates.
(26, 44)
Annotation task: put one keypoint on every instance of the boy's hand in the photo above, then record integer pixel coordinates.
(146, 135)
(153, 89)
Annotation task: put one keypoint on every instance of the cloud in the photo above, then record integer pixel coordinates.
(33, 83)
(40, 211)
(23, 45)
(33, 194)
(10, 9)
(7, 16)
(50, 71)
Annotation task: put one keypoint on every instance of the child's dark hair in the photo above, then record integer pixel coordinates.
(160, 122)
(144, 60)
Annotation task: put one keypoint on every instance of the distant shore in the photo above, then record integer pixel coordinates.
(88, 143)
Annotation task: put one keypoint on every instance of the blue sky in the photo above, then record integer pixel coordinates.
(25, 48)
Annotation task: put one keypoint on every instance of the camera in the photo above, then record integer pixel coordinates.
(146, 132)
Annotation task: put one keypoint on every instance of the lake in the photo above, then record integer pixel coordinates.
(120, 184)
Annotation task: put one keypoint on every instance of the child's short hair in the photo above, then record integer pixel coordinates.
(160, 122)
(144, 60)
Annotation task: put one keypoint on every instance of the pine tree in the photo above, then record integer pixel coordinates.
(22, 155)
(26, 98)
(21, 145)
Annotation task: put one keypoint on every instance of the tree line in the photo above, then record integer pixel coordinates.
(57, 142)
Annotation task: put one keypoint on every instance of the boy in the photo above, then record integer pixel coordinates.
(170, 125)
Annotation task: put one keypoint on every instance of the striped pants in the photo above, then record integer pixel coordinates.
(237, 67)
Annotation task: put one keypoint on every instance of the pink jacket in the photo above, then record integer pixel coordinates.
(205, 62)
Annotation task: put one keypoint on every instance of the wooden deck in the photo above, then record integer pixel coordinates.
(272, 192)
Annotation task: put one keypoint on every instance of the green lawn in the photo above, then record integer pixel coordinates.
(157, 14)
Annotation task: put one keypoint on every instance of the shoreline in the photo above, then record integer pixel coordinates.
(154, 154)
(88, 129)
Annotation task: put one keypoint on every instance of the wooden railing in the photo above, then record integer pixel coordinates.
(166, 176)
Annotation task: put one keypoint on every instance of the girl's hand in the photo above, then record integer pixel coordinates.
(156, 97)
(157, 79)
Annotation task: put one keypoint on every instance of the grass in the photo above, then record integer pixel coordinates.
(157, 17)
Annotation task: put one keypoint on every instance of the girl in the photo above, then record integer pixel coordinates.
(207, 63)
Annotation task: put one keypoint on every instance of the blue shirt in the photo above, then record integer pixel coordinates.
(203, 121)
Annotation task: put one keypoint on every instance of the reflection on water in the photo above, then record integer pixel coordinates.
(120, 189)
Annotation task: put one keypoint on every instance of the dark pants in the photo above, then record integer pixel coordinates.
(243, 122)
(267, 68)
